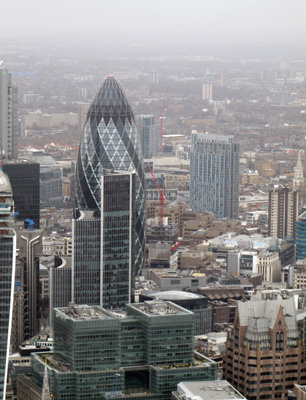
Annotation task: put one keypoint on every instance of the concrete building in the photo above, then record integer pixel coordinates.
(149, 135)
(264, 355)
(283, 212)
(214, 174)
(8, 115)
(145, 352)
(207, 91)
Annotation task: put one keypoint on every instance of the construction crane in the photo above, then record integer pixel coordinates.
(161, 118)
(162, 198)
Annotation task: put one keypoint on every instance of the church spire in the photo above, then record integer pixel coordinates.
(298, 179)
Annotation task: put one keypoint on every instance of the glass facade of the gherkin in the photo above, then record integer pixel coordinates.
(110, 140)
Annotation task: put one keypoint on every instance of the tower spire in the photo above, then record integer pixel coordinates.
(45, 394)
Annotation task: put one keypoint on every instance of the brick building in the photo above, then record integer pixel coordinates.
(264, 354)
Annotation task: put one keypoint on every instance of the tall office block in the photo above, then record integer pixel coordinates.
(25, 182)
(214, 174)
(103, 245)
(7, 275)
(86, 257)
(283, 212)
(110, 140)
(301, 237)
(150, 136)
(29, 243)
(141, 354)
(207, 91)
(118, 212)
(8, 115)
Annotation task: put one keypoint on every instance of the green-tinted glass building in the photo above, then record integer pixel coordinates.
(144, 352)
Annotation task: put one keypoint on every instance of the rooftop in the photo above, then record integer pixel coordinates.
(208, 390)
(84, 312)
(159, 307)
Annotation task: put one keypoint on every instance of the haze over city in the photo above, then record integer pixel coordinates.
(153, 200)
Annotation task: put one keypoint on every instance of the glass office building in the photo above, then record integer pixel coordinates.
(25, 181)
(144, 352)
(301, 237)
(110, 140)
(103, 245)
(7, 275)
(214, 174)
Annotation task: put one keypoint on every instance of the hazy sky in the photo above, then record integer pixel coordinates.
(155, 20)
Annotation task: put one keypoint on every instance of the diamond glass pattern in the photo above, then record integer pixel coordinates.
(110, 140)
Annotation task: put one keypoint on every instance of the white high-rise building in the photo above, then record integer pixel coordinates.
(8, 115)
(214, 174)
(207, 91)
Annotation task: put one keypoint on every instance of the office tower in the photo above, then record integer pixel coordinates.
(143, 353)
(301, 237)
(207, 91)
(24, 178)
(150, 136)
(8, 115)
(264, 354)
(299, 181)
(7, 275)
(29, 244)
(110, 140)
(103, 256)
(214, 174)
(283, 212)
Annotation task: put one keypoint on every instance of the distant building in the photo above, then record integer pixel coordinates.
(214, 174)
(25, 180)
(149, 135)
(8, 115)
(207, 91)
(144, 353)
(283, 212)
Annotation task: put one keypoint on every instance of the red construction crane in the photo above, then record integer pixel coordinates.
(161, 120)
(162, 198)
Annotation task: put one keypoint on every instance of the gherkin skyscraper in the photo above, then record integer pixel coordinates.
(110, 141)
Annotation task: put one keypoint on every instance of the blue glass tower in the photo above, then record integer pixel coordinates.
(301, 237)
(110, 140)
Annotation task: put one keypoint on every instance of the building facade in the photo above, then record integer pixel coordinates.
(301, 237)
(98, 354)
(264, 353)
(110, 140)
(104, 255)
(8, 115)
(214, 174)
(29, 251)
(283, 212)
(24, 178)
(150, 136)
(7, 275)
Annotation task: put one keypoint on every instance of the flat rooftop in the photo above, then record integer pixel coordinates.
(208, 390)
(159, 307)
(84, 312)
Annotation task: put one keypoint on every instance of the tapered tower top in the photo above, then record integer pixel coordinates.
(111, 100)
